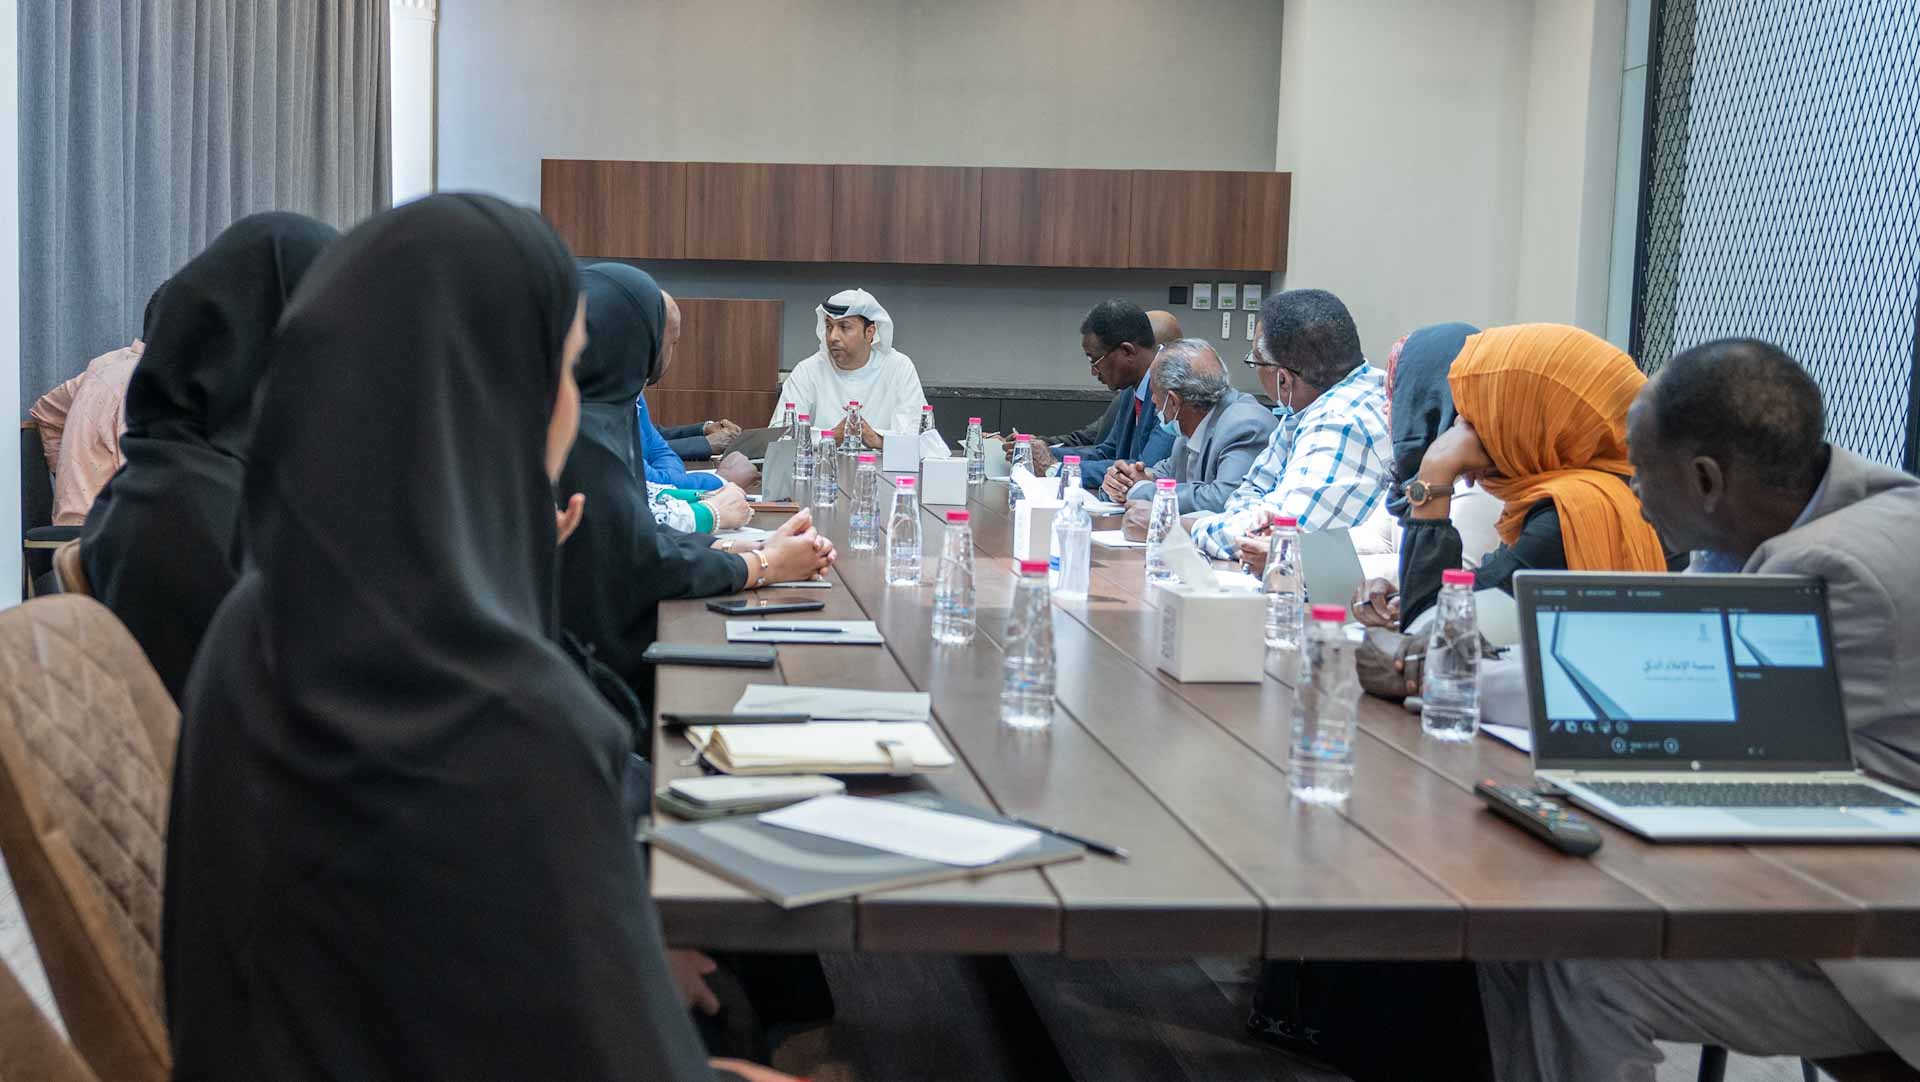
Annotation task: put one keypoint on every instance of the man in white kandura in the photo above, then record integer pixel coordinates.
(856, 362)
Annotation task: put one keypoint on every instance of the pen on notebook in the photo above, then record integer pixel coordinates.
(800, 628)
(1099, 847)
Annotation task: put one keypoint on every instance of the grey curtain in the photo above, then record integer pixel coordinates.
(147, 126)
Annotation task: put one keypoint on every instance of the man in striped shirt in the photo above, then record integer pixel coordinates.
(1330, 461)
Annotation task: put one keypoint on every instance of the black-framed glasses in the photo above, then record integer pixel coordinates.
(1255, 361)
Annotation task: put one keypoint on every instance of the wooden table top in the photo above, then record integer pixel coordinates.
(1192, 779)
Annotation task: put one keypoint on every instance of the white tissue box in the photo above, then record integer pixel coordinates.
(1212, 635)
(1033, 529)
(997, 466)
(943, 481)
(899, 454)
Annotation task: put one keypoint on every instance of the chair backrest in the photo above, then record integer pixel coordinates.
(87, 735)
(72, 573)
(34, 1050)
(36, 482)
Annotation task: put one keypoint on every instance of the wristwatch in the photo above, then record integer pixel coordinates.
(1419, 492)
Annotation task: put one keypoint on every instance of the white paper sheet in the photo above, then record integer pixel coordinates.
(1512, 734)
(920, 833)
(779, 627)
(744, 533)
(1115, 539)
(1043, 491)
(849, 704)
(1100, 508)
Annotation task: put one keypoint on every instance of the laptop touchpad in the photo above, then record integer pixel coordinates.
(1803, 818)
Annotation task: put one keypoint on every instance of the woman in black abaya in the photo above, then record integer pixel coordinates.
(396, 847)
(158, 544)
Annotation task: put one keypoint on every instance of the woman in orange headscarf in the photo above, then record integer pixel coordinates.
(1542, 426)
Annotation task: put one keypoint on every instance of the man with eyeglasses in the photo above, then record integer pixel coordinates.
(1117, 339)
(1330, 460)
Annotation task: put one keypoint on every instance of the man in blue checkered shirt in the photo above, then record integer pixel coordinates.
(1330, 461)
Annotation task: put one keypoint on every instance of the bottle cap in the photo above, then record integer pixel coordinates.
(1071, 460)
(855, 403)
(1166, 484)
(1022, 437)
(824, 433)
(970, 420)
(958, 516)
(903, 482)
(1033, 567)
(806, 417)
(1330, 613)
(1287, 521)
(926, 409)
(789, 405)
(868, 458)
(1457, 577)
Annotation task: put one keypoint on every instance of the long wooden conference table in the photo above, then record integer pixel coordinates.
(1192, 779)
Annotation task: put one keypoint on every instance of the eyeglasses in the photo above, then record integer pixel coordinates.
(1255, 361)
(1094, 362)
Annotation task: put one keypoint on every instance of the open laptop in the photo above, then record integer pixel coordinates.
(1698, 708)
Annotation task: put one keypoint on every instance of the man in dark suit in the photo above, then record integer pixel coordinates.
(1118, 342)
(1166, 330)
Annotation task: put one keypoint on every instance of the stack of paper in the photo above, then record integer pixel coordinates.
(823, 747)
(848, 704)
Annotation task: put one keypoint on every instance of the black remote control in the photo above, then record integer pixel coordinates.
(1543, 818)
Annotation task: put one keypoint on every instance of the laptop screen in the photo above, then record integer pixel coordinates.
(1651, 670)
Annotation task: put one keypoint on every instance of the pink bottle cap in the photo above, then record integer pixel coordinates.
(903, 482)
(1071, 460)
(1033, 567)
(855, 405)
(1022, 437)
(1166, 484)
(806, 417)
(970, 420)
(958, 516)
(868, 459)
(824, 433)
(789, 405)
(1331, 613)
(926, 409)
(1288, 521)
(1457, 577)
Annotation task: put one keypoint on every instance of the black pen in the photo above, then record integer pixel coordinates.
(795, 627)
(1099, 847)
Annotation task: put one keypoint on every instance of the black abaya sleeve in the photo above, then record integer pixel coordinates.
(1430, 546)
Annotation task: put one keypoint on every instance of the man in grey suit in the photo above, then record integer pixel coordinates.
(1731, 462)
(1222, 430)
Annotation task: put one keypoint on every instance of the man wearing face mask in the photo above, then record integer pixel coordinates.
(1222, 430)
(856, 362)
(1330, 459)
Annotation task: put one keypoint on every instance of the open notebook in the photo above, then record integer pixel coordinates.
(823, 747)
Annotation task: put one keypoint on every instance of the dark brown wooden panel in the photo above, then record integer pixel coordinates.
(748, 409)
(726, 345)
(1208, 220)
(761, 212)
(617, 210)
(1055, 217)
(906, 214)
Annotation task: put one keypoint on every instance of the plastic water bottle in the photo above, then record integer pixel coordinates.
(851, 441)
(1285, 606)
(903, 534)
(976, 448)
(826, 487)
(1026, 690)
(803, 460)
(926, 419)
(1160, 522)
(1325, 707)
(789, 429)
(953, 583)
(1069, 562)
(1022, 456)
(1450, 684)
(863, 510)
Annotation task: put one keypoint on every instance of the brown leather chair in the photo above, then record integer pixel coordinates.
(71, 573)
(87, 735)
(31, 1050)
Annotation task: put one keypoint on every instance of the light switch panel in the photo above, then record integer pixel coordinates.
(1250, 296)
(1227, 296)
(1202, 296)
(1251, 319)
(1226, 325)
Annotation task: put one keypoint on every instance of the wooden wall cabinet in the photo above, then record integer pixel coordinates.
(1225, 221)
(726, 365)
(746, 211)
(624, 210)
(906, 214)
(1055, 217)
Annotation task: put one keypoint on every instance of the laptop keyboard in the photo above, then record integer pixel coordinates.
(1744, 794)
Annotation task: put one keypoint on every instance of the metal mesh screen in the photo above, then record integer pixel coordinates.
(1783, 197)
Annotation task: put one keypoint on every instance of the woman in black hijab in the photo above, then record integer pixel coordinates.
(396, 846)
(158, 545)
(620, 564)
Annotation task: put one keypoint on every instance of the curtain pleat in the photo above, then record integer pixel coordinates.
(147, 126)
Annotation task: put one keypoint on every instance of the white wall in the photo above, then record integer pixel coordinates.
(1445, 160)
(1095, 83)
(10, 406)
(410, 64)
